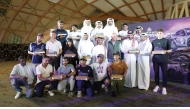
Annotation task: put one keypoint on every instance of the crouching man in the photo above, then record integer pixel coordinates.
(23, 74)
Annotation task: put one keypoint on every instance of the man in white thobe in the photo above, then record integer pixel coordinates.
(138, 32)
(130, 60)
(99, 49)
(85, 48)
(75, 33)
(96, 30)
(109, 29)
(143, 63)
(87, 27)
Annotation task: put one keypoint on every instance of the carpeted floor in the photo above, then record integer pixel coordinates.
(178, 96)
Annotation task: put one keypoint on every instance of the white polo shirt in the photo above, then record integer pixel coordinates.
(53, 47)
(123, 33)
(28, 71)
(44, 71)
(99, 70)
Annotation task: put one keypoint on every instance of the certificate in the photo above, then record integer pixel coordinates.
(69, 55)
(159, 52)
(134, 51)
(116, 77)
(75, 38)
(81, 77)
(51, 54)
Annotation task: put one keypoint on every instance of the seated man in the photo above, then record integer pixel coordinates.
(68, 72)
(84, 70)
(44, 72)
(23, 74)
(118, 67)
(100, 74)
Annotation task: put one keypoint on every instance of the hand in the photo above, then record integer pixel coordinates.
(24, 78)
(40, 54)
(63, 76)
(61, 36)
(31, 86)
(34, 53)
(50, 78)
(88, 78)
(78, 66)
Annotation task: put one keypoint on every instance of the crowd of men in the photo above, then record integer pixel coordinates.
(96, 53)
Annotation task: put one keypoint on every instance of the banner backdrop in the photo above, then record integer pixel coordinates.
(178, 32)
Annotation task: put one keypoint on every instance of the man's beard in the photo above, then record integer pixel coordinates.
(39, 41)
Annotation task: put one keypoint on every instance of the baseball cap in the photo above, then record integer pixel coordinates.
(40, 34)
(100, 55)
(100, 35)
(83, 58)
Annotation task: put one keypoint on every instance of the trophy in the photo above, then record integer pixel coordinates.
(116, 77)
(159, 52)
(57, 77)
(81, 77)
(133, 51)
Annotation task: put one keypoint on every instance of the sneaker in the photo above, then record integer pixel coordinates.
(79, 94)
(156, 89)
(103, 86)
(95, 91)
(164, 92)
(65, 90)
(70, 94)
(50, 93)
(18, 94)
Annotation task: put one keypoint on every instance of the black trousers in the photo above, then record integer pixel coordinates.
(55, 62)
(164, 66)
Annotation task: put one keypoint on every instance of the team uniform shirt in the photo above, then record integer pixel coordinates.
(53, 47)
(36, 59)
(160, 44)
(99, 70)
(28, 71)
(61, 31)
(84, 71)
(44, 71)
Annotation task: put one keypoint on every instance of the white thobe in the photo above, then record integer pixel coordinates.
(99, 49)
(75, 34)
(85, 48)
(130, 60)
(137, 37)
(143, 64)
(93, 34)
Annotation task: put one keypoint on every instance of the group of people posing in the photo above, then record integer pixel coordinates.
(96, 53)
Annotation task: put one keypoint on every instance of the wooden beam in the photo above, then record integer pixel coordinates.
(38, 20)
(17, 30)
(143, 9)
(152, 13)
(163, 8)
(12, 18)
(130, 7)
(116, 8)
(24, 12)
(153, 9)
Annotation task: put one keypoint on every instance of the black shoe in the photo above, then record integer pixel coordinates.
(113, 94)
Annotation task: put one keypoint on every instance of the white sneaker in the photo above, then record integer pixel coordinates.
(156, 89)
(103, 86)
(164, 92)
(79, 94)
(50, 93)
(70, 94)
(18, 94)
(65, 90)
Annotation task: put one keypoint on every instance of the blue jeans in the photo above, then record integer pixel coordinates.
(16, 83)
(87, 85)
